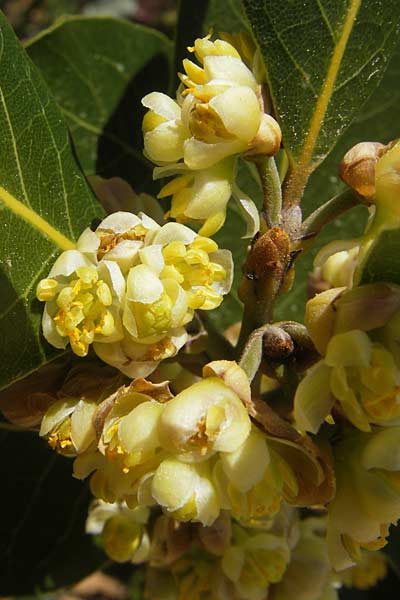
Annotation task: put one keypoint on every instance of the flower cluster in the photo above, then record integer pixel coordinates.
(357, 380)
(287, 556)
(205, 484)
(218, 115)
(129, 288)
(193, 454)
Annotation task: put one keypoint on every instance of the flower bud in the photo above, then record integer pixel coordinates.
(357, 168)
(123, 535)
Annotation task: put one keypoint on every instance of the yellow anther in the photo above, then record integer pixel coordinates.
(194, 72)
(65, 298)
(73, 317)
(46, 290)
(196, 299)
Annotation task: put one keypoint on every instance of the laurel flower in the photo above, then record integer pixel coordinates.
(223, 108)
(254, 560)
(122, 530)
(68, 425)
(83, 302)
(130, 288)
(359, 375)
(367, 498)
(219, 114)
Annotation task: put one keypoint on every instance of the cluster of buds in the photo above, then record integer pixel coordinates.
(129, 288)
(218, 115)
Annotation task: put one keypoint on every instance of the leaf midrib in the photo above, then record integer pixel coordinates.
(302, 168)
(35, 220)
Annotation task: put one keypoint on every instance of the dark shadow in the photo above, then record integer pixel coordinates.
(123, 131)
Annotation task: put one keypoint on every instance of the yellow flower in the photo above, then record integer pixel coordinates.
(206, 418)
(130, 289)
(357, 373)
(308, 575)
(255, 560)
(68, 425)
(82, 302)
(223, 108)
(367, 498)
(123, 533)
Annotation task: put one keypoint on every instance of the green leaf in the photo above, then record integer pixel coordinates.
(378, 121)
(45, 204)
(323, 60)
(43, 544)
(225, 17)
(98, 69)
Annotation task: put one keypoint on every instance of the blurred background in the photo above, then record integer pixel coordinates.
(29, 17)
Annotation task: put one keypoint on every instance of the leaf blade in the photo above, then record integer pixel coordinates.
(45, 203)
(319, 78)
(98, 69)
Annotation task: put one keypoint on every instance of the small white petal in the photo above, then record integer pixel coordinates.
(223, 258)
(50, 332)
(164, 144)
(88, 242)
(119, 222)
(68, 262)
(162, 105)
(152, 257)
(110, 272)
(143, 285)
(174, 232)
